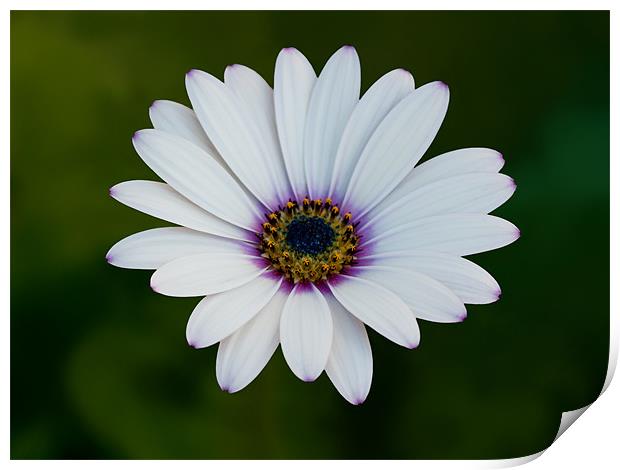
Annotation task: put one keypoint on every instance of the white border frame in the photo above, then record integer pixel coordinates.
(592, 442)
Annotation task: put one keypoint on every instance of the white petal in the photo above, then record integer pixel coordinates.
(257, 107)
(218, 316)
(224, 117)
(154, 248)
(380, 98)
(334, 96)
(472, 193)
(378, 307)
(172, 117)
(457, 234)
(349, 366)
(206, 273)
(446, 165)
(471, 283)
(396, 146)
(243, 355)
(306, 332)
(429, 299)
(195, 175)
(161, 201)
(293, 82)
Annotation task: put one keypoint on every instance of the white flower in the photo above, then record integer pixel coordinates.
(302, 218)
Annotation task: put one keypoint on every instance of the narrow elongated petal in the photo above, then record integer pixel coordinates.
(473, 193)
(471, 283)
(334, 96)
(396, 146)
(349, 366)
(226, 122)
(243, 355)
(293, 82)
(205, 274)
(257, 107)
(457, 234)
(161, 201)
(194, 174)
(446, 165)
(153, 248)
(380, 98)
(379, 308)
(306, 332)
(427, 298)
(218, 316)
(172, 117)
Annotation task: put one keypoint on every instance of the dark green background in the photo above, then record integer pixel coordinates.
(99, 363)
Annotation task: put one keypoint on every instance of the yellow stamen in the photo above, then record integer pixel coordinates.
(303, 267)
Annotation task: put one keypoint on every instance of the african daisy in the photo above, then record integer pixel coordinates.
(302, 216)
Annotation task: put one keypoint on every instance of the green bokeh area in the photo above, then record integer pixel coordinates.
(99, 363)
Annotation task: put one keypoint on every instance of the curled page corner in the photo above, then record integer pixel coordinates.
(568, 417)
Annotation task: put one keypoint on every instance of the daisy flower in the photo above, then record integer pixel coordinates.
(302, 217)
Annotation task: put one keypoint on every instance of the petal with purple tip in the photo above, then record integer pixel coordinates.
(156, 247)
(471, 283)
(161, 201)
(446, 165)
(224, 117)
(396, 146)
(333, 99)
(379, 308)
(376, 103)
(349, 366)
(206, 274)
(428, 299)
(457, 234)
(306, 332)
(256, 103)
(218, 316)
(197, 176)
(243, 355)
(471, 193)
(177, 119)
(294, 80)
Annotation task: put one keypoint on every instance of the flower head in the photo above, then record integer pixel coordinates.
(303, 216)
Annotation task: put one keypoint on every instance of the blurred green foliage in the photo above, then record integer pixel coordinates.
(99, 363)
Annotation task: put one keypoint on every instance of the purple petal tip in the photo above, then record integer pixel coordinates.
(518, 233)
(108, 258)
(413, 346)
(111, 191)
(359, 401)
(443, 84)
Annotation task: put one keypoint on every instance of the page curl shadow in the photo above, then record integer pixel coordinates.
(569, 417)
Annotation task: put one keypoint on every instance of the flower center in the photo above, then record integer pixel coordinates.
(309, 235)
(309, 242)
